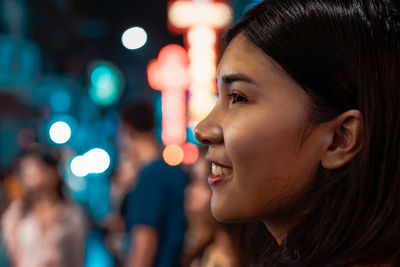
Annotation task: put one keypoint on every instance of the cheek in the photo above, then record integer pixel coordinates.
(264, 152)
(263, 144)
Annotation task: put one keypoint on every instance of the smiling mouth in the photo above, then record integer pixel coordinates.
(219, 170)
(219, 173)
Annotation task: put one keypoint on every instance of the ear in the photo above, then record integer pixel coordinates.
(346, 139)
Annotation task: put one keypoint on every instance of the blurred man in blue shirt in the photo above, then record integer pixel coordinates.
(154, 213)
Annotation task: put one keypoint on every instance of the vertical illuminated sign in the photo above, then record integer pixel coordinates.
(169, 74)
(200, 21)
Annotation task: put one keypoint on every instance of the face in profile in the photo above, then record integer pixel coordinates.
(262, 151)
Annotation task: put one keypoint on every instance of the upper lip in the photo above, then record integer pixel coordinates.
(210, 159)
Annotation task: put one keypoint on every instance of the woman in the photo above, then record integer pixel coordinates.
(305, 134)
(43, 229)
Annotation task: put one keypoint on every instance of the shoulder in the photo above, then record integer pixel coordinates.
(12, 213)
(161, 169)
(158, 164)
(10, 223)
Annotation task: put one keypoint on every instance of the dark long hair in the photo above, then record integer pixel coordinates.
(346, 55)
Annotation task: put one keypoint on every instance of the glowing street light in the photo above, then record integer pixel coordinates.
(106, 83)
(60, 132)
(134, 38)
(200, 21)
(186, 14)
(78, 167)
(173, 155)
(190, 153)
(169, 74)
(95, 160)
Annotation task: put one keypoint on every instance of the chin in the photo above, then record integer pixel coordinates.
(226, 214)
(223, 219)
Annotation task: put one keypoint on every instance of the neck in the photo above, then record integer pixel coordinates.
(278, 231)
(147, 149)
(280, 228)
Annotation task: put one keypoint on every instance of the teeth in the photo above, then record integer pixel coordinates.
(219, 170)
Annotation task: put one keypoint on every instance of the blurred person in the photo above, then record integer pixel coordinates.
(42, 228)
(123, 181)
(154, 213)
(124, 178)
(209, 243)
(305, 134)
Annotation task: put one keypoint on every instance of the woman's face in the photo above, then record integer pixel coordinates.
(35, 175)
(261, 151)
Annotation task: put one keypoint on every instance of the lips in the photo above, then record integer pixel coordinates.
(221, 166)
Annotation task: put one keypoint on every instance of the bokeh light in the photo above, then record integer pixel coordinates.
(184, 14)
(190, 153)
(60, 132)
(170, 69)
(173, 155)
(78, 167)
(96, 160)
(200, 21)
(134, 38)
(106, 83)
(60, 101)
(76, 183)
(169, 73)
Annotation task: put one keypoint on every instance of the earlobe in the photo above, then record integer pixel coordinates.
(346, 139)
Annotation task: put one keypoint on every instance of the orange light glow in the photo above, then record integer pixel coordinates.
(173, 155)
(190, 153)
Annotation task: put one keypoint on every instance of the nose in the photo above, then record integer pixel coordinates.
(208, 131)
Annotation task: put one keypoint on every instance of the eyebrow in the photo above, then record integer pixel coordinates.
(237, 77)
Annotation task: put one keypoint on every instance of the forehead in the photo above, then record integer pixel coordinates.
(242, 56)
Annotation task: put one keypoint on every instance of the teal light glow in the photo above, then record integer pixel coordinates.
(60, 101)
(106, 83)
(59, 129)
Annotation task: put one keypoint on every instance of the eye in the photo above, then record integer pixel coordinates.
(236, 98)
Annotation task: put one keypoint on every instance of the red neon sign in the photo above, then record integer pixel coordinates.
(169, 74)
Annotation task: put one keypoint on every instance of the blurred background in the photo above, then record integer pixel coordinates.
(67, 67)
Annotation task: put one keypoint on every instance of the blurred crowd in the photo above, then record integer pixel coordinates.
(159, 215)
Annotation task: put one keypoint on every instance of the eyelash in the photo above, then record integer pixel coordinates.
(235, 96)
